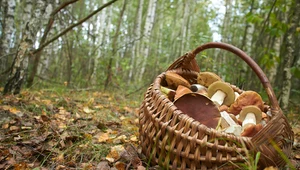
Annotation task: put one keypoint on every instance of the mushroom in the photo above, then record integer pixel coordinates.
(236, 95)
(207, 78)
(198, 88)
(221, 93)
(170, 93)
(180, 91)
(245, 99)
(251, 117)
(199, 107)
(174, 80)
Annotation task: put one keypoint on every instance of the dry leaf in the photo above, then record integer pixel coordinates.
(271, 168)
(120, 165)
(102, 137)
(115, 153)
(14, 128)
(103, 165)
(5, 126)
(133, 138)
(88, 110)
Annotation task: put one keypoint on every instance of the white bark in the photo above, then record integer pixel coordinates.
(184, 25)
(101, 29)
(136, 42)
(289, 55)
(8, 30)
(147, 33)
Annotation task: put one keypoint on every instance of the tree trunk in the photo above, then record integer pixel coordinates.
(184, 25)
(20, 64)
(114, 47)
(288, 53)
(8, 7)
(36, 58)
(147, 33)
(100, 25)
(136, 35)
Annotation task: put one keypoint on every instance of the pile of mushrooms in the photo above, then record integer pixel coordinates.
(216, 104)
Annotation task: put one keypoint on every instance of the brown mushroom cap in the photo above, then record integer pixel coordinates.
(174, 80)
(207, 78)
(251, 109)
(180, 91)
(245, 99)
(199, 107)
(225, 88)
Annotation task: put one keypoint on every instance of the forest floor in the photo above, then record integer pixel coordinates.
(48, 129)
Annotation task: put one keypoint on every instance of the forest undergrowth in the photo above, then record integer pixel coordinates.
(85, 129)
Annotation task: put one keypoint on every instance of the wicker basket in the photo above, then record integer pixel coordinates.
(176, 141)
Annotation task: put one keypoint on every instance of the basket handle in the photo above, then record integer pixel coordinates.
(258, 71)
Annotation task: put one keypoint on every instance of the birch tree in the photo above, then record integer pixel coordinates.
(136, 36)
(147, 35)
(20, 63)
(8, 28)
(289, 53)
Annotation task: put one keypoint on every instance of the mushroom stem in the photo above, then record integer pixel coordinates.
(219, 97)
(228, 119)
(249, 119)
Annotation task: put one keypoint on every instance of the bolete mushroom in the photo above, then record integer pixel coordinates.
(207, 78)
(180, 91)
(245, 99)
(251, 116)
(199, 107)
(174, 80)
(198, 88)
(221, 93)
(170, 93)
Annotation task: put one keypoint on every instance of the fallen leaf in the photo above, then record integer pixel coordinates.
(271, 168)
(120, 165)
(103, 165)
(297, 156)
(102, 137)
(133, 138)
(5, 126)
(14, 128)
(88, 110)
(115, 153)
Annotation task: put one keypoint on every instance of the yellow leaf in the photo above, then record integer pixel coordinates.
(133, 138)
(102, 137)
(88, 136)
(88, 110)
(14, 110)
(115, 153)
(90, 102)
(5, 126)
(99, 106)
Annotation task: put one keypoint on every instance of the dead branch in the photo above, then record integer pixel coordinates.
(73, 26)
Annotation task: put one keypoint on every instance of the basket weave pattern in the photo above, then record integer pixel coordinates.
(173, 140)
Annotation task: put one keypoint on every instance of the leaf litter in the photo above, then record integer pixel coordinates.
(77, 130)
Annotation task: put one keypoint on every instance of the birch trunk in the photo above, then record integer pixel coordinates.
(289, 54)
(8, 28)
(147, 33)
(136, 44)
(114, 47)
(184, 27)
(101, 25)
(36, 58)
